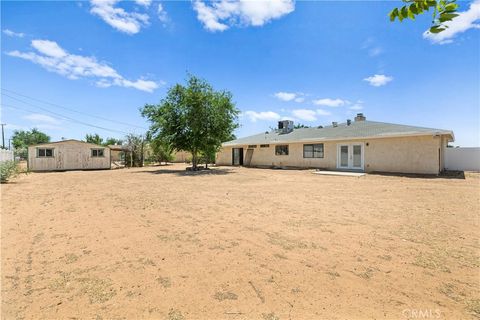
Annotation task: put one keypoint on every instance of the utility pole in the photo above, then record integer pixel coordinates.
(3, 135)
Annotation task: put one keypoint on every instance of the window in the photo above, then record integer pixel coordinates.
(252, 146)
(97, 152)
(281, 150)
(264, 146)
(313, 150)
(45, 152)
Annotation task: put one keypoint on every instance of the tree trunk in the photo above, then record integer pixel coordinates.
(141, 157)
(194, 160)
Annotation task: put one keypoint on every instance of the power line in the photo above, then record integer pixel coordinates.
(70, 109)
(66, 118)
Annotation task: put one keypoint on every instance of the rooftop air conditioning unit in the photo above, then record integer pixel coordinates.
(285, 126)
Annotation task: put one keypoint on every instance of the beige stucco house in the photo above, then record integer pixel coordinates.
(68, 155)
(358, 145)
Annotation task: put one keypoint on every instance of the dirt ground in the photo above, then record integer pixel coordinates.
(239, 243)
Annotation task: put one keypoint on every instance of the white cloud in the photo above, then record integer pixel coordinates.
(330, 102)
(285, 96)
(118, 18)
(145, 3)
(290, 96)
(375, 51)
(11, 33)
(378, 80)
(221, 15)
(299, 99)
(465, 21)
(55, 59)
(49, 48)
(356, 106)
(162, 14)
(38, 117)
(304, 114)
(263, 115)
(322, 112)
(373, 48)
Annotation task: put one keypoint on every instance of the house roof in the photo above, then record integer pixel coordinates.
(356, 130)
(65, 141)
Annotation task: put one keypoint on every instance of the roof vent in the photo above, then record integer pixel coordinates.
(349, 122)
(334, 124)
(360, 117)
(285, 126)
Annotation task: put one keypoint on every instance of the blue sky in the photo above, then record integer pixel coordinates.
(314, 62)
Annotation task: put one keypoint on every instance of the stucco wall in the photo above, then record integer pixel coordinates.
(68, 155)
(419, 154)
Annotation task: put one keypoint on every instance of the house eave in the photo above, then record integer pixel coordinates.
(323, 139)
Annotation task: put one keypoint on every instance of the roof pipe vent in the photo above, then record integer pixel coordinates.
(334, 124)
(349, 122)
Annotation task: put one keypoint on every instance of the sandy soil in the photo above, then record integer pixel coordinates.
(238, 243)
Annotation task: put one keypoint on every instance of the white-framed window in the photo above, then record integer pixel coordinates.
(281, 150)
(97, 153)
(45, 153)
(313, 150)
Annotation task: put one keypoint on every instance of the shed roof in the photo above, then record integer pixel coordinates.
(118, 147)
(356, 130)
(66, 141)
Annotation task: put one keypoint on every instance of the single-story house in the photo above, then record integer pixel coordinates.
(358, 145)
(68, 155)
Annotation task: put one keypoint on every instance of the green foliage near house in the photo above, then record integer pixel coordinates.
(112, 141)
(300, 126)
(96, 139)
(21, 139)
(442, 11)
(193, 117)
(161, 151)
(8, 169)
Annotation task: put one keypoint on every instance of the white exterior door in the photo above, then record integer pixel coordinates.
(350, 156)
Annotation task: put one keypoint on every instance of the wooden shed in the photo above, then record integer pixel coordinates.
(68, 155)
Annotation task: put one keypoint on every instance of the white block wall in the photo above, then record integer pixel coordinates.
(464, 159)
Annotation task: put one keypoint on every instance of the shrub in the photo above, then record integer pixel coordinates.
(8, 169)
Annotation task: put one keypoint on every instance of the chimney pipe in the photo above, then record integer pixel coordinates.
(349, 122)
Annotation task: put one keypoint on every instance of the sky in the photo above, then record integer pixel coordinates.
(70, 68)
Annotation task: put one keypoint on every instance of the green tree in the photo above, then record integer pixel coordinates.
(94, 138)
(194, 118)
(300, 126)
(442, 11)
(21, 139)
(161, 151)
(112, 141)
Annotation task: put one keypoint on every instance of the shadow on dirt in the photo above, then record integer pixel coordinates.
(443, 175)
(187, 173)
